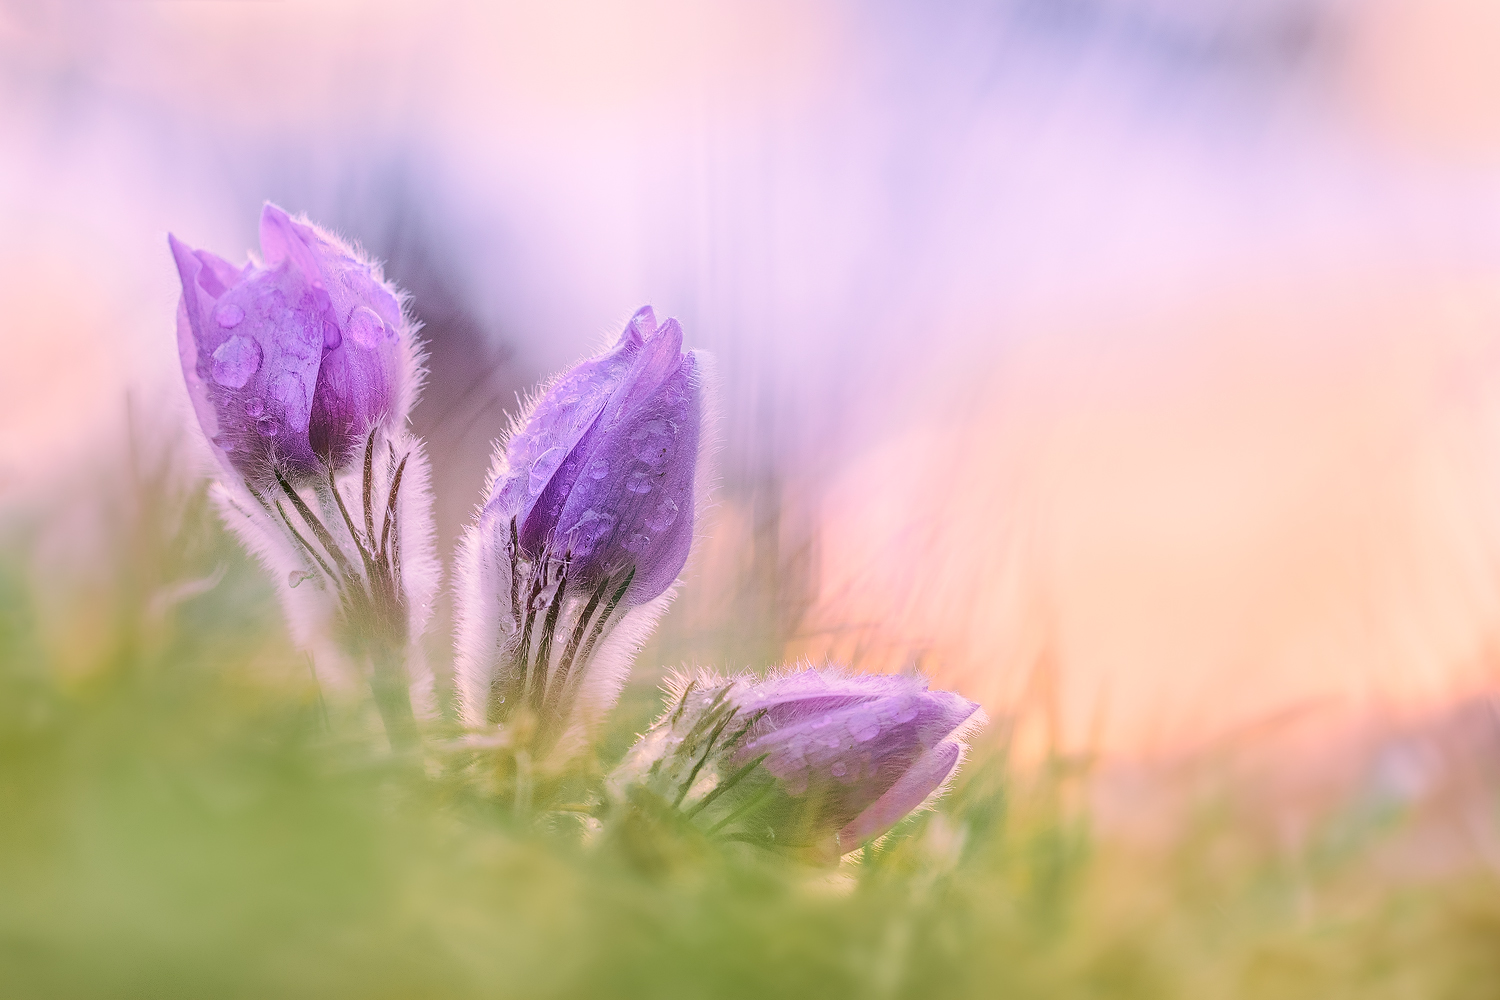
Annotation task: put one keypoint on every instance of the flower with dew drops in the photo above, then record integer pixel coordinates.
(816, 761)
(291, 362)
(587, 523)
(301, 369)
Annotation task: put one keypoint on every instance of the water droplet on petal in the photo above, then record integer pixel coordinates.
(652, 442)
(661, 519)
(366, 328)
(229, 315)
(598, 469)
(254, 407)
(637, 543)
(543, 468)
(268, 427)
(319, 299)
(906, 711)
(235, 361)
(640, 482)
(839, 769)
(864, 727)
(591, 528)
(332, 338)
(795, 783)
(290, 391)
(822, 721)
(297, 576)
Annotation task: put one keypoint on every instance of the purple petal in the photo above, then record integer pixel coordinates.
(560, 418)
(603, 470)
(910, 790)
(851, 739)
(652, 451)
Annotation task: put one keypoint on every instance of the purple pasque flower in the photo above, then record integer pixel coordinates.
(588, 522)
(301, 369)
(290, 362)
(601, 474)
(816, 761)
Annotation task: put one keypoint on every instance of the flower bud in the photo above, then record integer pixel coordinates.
(301, 370)
(816, 761)
(602, 472)
(589, 518)
(290, 363)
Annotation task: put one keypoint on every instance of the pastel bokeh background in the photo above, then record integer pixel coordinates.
(1138, 361)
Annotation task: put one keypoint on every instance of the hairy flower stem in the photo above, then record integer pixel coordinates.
(373, 604)
(389, 684)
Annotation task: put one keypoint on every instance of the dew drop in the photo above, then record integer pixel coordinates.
(652, 442)
(661, 519)
(542, 469)
(906, 711)
(332, 338)
(864, 727)
(598, 469)
(839, 769)
(235, 361)
(822, 721)
(290, 391)
(591, 528)
(268, 427)
(254, 407)
(320, 300)
(366, 327)
(297, 576)
(640, 483)
(637, 543)
(229, 315)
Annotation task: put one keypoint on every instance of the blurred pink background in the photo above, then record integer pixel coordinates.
(1134, 360)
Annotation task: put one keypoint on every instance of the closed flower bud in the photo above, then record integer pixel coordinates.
(814, 761)
(588, 522)
(292, 361)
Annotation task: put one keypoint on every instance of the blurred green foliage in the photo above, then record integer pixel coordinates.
(181, 816)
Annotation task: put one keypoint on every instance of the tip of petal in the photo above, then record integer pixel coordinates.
(271, 212)
(641, 326)
(281, 237)
(644, 320)
(671, 332)
(187, 262)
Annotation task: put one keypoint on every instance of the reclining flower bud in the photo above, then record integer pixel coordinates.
(816, 761)
(587, 525)
(290, 363)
